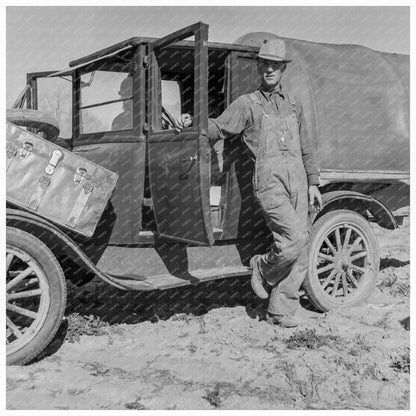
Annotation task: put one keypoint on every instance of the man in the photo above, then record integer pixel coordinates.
(124, 121)
(286, 176)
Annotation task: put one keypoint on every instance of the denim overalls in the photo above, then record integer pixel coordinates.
(280, 185)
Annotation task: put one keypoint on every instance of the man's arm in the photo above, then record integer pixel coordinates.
(230, 123)
(310, 161)
(309, 151)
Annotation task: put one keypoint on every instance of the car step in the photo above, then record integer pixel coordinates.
(167, 281)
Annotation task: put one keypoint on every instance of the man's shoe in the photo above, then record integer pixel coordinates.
(257, 282)
(284, 321)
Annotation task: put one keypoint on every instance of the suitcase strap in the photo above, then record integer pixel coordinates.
(39, 192)
(79, 205)
(45, 180)
(11, 152)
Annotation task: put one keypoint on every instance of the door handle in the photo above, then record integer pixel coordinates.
(190, 162)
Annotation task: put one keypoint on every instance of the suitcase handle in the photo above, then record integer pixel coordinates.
(57, 155)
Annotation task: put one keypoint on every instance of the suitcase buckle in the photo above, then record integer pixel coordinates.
(88, 188)
(56, 156)
(79, 175)
(11, 151)
(26, 149)
(44, 182)
(34, 205)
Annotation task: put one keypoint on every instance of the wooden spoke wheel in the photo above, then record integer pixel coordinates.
(35, 296)
(343, 260)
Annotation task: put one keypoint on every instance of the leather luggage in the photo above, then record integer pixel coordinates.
(54, 183)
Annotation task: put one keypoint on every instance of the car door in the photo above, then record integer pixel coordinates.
(179, 162)
(53, 96)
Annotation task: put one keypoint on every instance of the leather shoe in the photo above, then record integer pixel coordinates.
(284, 321)
(257, 282)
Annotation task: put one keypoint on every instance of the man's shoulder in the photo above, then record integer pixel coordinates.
(294, 101)
(249, 98)
(292, 98)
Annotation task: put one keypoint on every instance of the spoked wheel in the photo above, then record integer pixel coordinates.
(343, 260)
(35, 296)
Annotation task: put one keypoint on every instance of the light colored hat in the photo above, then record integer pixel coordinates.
(273, 50)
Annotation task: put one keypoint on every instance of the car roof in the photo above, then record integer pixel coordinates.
(131, 42)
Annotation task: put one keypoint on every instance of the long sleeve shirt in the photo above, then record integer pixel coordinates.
(239, 117)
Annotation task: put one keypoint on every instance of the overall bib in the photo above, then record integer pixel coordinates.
(280, 185)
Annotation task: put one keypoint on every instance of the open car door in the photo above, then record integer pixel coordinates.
(179, 162)
(52, 95)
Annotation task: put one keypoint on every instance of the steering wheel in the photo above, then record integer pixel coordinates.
(168, 118)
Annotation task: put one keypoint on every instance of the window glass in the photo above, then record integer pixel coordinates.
(55, 98)
(171, 97)
(177, 85)
(110, 117)
(106, 101)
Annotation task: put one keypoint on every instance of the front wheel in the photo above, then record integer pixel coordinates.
(35, 296)
(344, 260)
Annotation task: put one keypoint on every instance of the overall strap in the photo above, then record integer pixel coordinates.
(293, 104)
(254, 99)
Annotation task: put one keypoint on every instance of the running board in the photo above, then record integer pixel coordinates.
(168, 281)
(149, 237)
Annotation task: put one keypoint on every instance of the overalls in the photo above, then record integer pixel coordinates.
(280, 185)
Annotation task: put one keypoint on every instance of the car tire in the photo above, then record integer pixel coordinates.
(344, 261)
(35, 296)
(38, 120)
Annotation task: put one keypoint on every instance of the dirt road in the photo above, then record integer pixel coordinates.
(206, 347)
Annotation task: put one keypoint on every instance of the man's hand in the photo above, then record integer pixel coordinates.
(315, 198)
(184, 120)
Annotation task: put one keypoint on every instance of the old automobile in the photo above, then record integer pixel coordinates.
(164, 208)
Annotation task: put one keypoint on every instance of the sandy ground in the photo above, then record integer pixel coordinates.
(207, 347)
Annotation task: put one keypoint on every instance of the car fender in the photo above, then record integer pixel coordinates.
(357, 202)
(47, 232)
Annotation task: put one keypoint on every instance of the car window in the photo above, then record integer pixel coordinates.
(106, 101)
(171, 97)
(174, 93)
(55, 98)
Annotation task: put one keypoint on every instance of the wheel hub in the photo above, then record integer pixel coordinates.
(342, 261)
(345, 261)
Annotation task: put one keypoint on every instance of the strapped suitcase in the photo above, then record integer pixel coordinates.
(54, 183)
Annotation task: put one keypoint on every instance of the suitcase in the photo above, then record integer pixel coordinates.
(54, 183)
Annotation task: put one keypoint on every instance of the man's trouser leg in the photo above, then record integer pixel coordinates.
(284, 298)
(285, 265)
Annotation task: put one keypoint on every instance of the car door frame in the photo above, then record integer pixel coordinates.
(179, 161)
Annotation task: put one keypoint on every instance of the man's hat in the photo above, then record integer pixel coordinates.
(273, 50)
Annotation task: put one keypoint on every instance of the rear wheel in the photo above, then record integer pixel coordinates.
(35, 296)
(344, 260)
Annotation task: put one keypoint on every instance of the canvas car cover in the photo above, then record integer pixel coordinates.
(355, 100)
